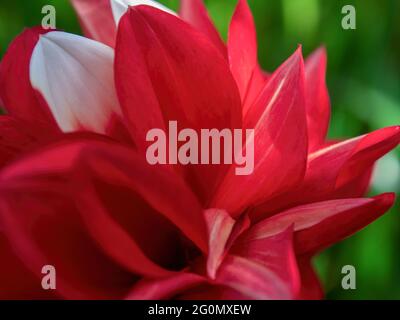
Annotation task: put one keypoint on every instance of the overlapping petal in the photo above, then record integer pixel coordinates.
(60, 80)
(17, 281)
(97, 20)
(195, 13)
(18, 136)
(51, 220)
(275, 252)
(100, 18)
(311, 287)
(120, 7)
(75, 77)
(165, 288)
(168, 71)
(243, 57)
(16, 91)
(318, 225)
(278, 118)
(317, 99)
(116, 227)
(252, 279)
(340, 170)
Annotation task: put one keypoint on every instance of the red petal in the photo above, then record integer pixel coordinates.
(195, 13)
(243, 58)
(97, 20)
(16, 91)
(372, 147)
(159, 188)
(311, 288)
(212, 292)
(338, 170)
(317, 99)
(13, 139)
(350, 221)
(356, 187)
(44, 229)
(174, 74)
(280, 148)
(166, 288)
(18, 137)
(77, 237)
(185, 79)
(252, 279)
(121, 167)
(275, 252)
(319, 225)
(16, 281)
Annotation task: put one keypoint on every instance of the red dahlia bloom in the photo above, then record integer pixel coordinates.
(78, 194)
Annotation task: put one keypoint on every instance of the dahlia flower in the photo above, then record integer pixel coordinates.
(77, 192)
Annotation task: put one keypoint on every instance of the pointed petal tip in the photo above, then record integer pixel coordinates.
(396, 132)
(295, 60)
(391, 132)
(243, 3)
(386, 199)
(153, 5)
(318, 56)
(298, 54)
(321, 51)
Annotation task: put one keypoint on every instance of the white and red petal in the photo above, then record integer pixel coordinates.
(75, 77)
(120, 7)
(60, 81)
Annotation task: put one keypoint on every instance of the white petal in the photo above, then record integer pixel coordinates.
(76, 78)
(119, 7)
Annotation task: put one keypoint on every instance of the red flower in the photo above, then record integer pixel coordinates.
(77, 193)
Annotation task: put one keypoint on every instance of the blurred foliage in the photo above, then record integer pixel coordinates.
(364, 83)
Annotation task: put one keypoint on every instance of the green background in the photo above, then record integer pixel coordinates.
(364, 83)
